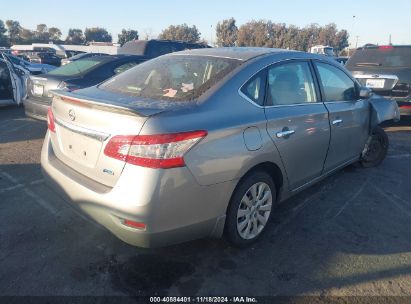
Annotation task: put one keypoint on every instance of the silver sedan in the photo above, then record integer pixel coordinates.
(205, 143)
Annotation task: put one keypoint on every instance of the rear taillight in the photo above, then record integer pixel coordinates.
(153, 151)
(133, 224)
(386, 47)
(50, 120)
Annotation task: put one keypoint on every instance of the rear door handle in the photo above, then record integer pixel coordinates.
(284, 134)
(337, 121)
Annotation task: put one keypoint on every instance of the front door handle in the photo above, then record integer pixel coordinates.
(337, 121)
(285, 133)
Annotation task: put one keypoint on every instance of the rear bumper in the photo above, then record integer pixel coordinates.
(36, 109)
(173, 206)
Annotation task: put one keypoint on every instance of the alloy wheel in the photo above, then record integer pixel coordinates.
(254, 210)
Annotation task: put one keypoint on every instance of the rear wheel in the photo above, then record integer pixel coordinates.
(250, 209)
(376, 149)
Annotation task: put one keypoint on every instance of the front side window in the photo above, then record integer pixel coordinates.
(337, 86)
(290, 83)
(178, 77)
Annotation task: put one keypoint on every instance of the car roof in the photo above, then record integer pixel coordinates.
(109, 58)
(239, 53)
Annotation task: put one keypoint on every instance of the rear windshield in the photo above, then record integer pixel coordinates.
(381, 56)
(178, 77)
(76, 68)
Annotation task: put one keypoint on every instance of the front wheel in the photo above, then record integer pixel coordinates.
(376, 148)
(250, 208)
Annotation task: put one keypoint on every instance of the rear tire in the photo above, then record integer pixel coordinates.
(377, 148)
(250, 209)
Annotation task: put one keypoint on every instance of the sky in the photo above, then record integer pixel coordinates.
(372, 21)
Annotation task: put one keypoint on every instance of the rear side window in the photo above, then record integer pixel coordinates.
(172, 78)
(254, 88)
(290, 83)
(384, 56)
(336, 85)
(75, 68)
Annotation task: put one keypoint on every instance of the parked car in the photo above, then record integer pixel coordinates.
(70, 53)
(33, 68)
(386, 70)
(156, 47)
(43, 57)
(80, 56)
(342, 60)
(73, 76)
(12, 82)
(206, 142)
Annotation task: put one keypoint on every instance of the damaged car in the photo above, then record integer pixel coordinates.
(13, 82)
(385, 69)
(33, 68)
(206, 143)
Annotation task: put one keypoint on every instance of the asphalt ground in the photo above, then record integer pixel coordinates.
(348, 235)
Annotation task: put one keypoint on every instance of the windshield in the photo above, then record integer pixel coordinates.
(381, 56)
(76, 68)
(177, 77)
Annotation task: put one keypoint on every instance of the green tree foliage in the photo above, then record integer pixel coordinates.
(181, 32)
(4, 41)
(264, 33)
(41, 34)
(26, 36)
(75, 36)
(97, 34)
(13, 28)
(127, 35)
(54, 34)
(226, 32)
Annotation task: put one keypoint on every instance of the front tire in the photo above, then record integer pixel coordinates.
(250, 208)
(376, 150)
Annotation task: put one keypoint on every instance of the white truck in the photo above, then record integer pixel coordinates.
(322, 50)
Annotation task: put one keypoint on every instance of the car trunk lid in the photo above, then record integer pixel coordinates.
(83, 128)
(40, 87)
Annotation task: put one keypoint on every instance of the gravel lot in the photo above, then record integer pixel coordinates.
(347, 235)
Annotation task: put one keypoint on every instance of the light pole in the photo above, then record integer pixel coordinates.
(211, 35)
(353, 27)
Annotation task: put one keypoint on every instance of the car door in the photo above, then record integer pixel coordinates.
(297, 120)
(349, 115)
(12, 85)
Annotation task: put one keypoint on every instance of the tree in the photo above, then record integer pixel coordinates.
(97, 34)
(226, 32)
(54, 33)
(3, 38)
(256, 33)
(75, 36)
(26, 36)
(340, 41)
(41, 34)
(181, 32)
(127, 35)
(13, 28)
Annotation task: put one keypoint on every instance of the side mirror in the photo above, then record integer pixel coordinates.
(365, 93)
